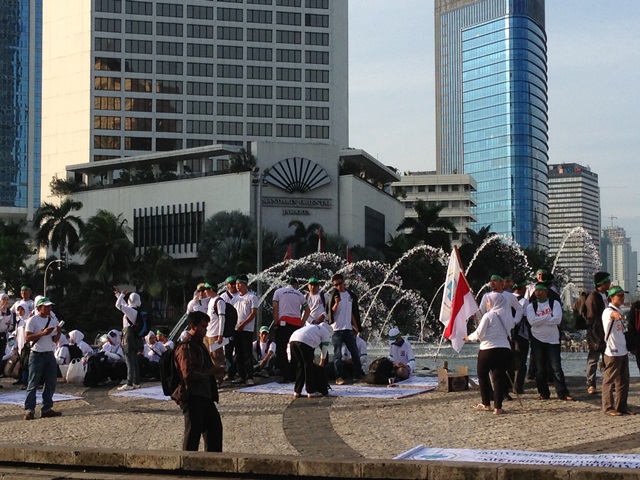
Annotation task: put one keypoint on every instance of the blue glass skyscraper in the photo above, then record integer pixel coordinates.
(20, 107)
(491, 109)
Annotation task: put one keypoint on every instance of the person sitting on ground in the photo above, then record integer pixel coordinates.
(112, 348)
(264, 354)
(348, 361)
(303, 343)
(401, 354)
(76, 337)
(153, 350)
(62, 353)
(162, 336)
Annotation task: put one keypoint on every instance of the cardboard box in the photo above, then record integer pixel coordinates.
(453, 382)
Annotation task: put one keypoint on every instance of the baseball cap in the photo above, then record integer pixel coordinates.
(314, 280)
(615, 291)
(43, 301)
(394, 333)
(230, 279)
(264, 329)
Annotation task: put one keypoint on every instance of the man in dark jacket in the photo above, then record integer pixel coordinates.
(633, 338)
(197, 393)
(595, 304)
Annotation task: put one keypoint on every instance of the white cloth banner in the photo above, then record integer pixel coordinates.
(339, 390)
(521, 457)
(18, 398)
(420, 382)
(154, 393)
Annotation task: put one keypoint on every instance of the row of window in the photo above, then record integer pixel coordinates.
(134, 7)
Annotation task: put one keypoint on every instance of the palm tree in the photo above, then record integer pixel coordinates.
(304, 239)
(155, 271)
(429, 227)
(57, 228)
(106, 246)
(241, 161)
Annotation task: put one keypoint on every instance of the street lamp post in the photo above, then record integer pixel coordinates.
(44, 283)
(259, 180)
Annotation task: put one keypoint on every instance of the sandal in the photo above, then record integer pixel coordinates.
(613, 413)
(482, 408)
(542, 397)
(498, 411)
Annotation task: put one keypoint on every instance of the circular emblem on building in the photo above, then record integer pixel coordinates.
(297, 175)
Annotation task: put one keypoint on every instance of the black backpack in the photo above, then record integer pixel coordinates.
(380, 371)
(230, 317)
(75, 352)
(170, 376)
(141, 327)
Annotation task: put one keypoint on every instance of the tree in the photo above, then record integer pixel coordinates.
(61, 187)
(14, 250)
(155, 271)
(57, 227)
(304, 239)
(241, 161)
(106, 246)
(428, 227)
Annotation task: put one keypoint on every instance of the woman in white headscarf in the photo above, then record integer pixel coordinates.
(128, 304)
(5, 320)
(62, 354)
(494, 355)
(76, 337)
(112, 348)
(153, 350)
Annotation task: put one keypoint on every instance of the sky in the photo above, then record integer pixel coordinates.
(593, 49)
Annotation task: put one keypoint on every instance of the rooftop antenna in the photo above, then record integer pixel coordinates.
(612, 218)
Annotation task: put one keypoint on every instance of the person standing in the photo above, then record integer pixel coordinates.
(128, 304)
(230, 295)
(200, 300)
(197, 393)
(215, 330)
(288, 303)
(316, 302)
(303, 343)
(521, 336)
(42, 332)
(247, 307)
(25, 300)
(595, 304)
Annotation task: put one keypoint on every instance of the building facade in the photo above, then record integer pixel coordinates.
(491, 109)
(455, 193)
(20, 108)
(574, 222)
(618, 258)
(125, 78)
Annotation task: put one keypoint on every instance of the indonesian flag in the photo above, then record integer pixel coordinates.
(320, 242)
(348, 255)
(288, 255)
(458, 303)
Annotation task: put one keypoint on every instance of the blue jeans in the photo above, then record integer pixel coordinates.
(548, 354)
(348, 338)
(42, 368)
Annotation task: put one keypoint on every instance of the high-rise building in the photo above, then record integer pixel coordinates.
(491, 109)
(126, 78)
(574, 222)
(20, 102)
(618, 258)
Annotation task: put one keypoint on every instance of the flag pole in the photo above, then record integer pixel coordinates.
(435, 359)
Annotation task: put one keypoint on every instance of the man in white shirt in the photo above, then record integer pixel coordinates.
(247, 306)
(200, 299)
(401, 354)
(512, 307)
(230, 296)
(316, 302)
(303, 343)
(42, 332)
(264, 354)
(214, 337)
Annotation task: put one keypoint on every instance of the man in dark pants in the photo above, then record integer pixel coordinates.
(197, 393)
(595, 304)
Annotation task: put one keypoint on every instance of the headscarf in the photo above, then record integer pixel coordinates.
(134, 300)
(148, 337)
(496, 301)
(76, 336)
(62, 340)
(115, 336)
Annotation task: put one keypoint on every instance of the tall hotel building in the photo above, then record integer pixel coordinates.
(20, 102)
(491, 109)
(125, 78)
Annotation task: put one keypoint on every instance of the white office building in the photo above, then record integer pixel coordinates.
(618, 258)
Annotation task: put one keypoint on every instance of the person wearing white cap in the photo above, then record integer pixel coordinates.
(401, 354)
(42, 331)
(128, 304)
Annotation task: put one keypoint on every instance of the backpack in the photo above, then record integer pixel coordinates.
(230, 318)
(170, 376)
(580, 312)
(380, 371)
(141, 327)
(75, 352)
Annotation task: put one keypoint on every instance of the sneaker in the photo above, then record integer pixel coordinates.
(250, 381)
(50, 414)
(339, 381)
(29, 415)
(126, 388)
(314, 395)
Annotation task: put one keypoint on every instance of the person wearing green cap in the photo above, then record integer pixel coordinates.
(200, 299)
(595, 304)
(25, 298)
(264, 354)
(214, 338)
(230, 296)
(316, 301)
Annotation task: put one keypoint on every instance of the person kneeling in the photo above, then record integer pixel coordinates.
(401, 354)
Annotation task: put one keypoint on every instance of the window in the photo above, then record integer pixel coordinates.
(108, 45)
(106, 123)
(259, 91)
(199, 126)
(316, 113)
(288, 3)
(259, 54)
(231, 71)
(312, 20)
(288, 18)
(259, 16)
(431, 188)
(286, 36)
(109, 6)
(259, 73)
(199, 108)
(168, 68)
(106, 142)
(200, 31)
(455, 188)
(229, 128)
(286, 130)
(229, 109)
(200, 88)
(168, 144)
(138, 66)
(229, 90)
(137, 85)
(139, 27)
(198, 142)
(106, 103)
(288, 93)
(289, 74)
(230, 33)
(137, 124)
(169, 48)
(312, 38)
(317, 94)
(138, 46)
(200, 69)
(169, 106)
(259, 35)
(290, 56)
(230, 52)
(444, 188)
(107, 83)
(169, 29)
(316, 131)
(259, 110)
(138, 8)
(229, 14)
(169, 10)
(168, 86)
(200, 13)
(288, 111)
(137, 143)
(132, 104)
(169, 125)
(318, 4)
(316, 76)
(313, 56)
(260, 129)
(199, 50)
(108, 25)
(107, 64)
(259, 2)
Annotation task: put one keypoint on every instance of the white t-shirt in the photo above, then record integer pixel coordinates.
(403, 354)
(342, 316)
(290, 302)
(316, 307)
(130, 314)
(263, 349)
(544, 322)
(493, 331)
(244, 305)
(616, 343)
(5, 321)
(362, 351)
(198, 305)
(314, 336)
(511, 304)
(215, 326)
(45, 343)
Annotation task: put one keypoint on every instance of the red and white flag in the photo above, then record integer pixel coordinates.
(349, 255)
(320, 242)
(288, 254)
(458, 303)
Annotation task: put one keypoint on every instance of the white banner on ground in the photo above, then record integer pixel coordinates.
(521, 457)
(18, 398)
(420, 382)
(154, 393)
(339, 390)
